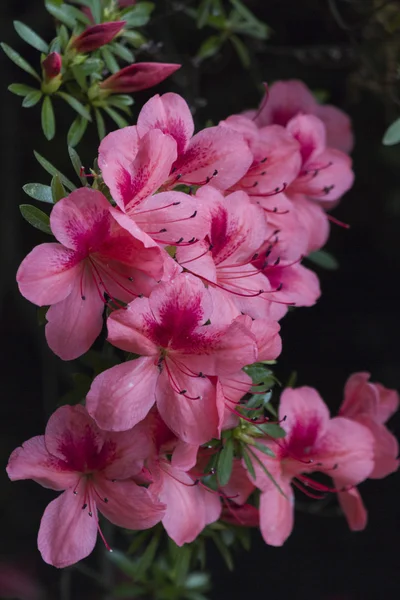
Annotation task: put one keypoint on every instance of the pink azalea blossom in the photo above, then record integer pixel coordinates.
(138, 77)
(216, 153)
(237, 230)
(287, 99)
(96, 36)
(370, 404)
(134, 168)
(338, 447)
(95, 468)
(95, 256)
(178, 352)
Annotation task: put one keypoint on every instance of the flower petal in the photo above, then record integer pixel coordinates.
(67, 533)
(309, 131)
(171, 114)
(215, 149)
(306, 416)
(276, 513)
(48, 274)
(353, 508)
(33, 461)
(121, 397)
(74, 323)
(127, 328)
(129, 505)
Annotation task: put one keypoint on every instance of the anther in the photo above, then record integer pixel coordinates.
(105, 500)
(183, 392)
(264, 160)
(90, 514)
(176, 203)
(162, 230)
(130, 278)
(278, 260)
(192, 240)
(84, 506)
(193, 215)
(83, 297)
(179, 241)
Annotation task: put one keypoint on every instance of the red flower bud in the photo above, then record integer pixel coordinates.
(138, 76)
(97, 36)
(52, 65)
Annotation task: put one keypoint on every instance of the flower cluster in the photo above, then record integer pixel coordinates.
(191, 245)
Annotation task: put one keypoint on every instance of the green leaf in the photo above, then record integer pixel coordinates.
(324, 259)
(80, 76)
(123, 52)
(47, 166)
(20, 89)
(38, 191)
(57, 189)
(116, 117)
(76, 163)
(247, 462)
(30, 37)
(76, 131)
(96, 8)
(258, 372)
(225, 462)
(128, 590)
(36, 217)
(32, 99)
(139, 15)
(61, 13)
(148, 555)
(109, 59)
(48, 121)
(268, 474)
(134, 37)
(263, 448)
(273, 430)
(63, 36)
(392, 134)
(251, 20)
(76, 105)
(226, 555)
(241, 50)
(101, 128)
(203, 12)
(139, 537)
(181, 564)
(122, 562)
(197, 580)
(19, 61)
(209, 47)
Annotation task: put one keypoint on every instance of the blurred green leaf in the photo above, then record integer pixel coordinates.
(241, 50)
(57, 189)
(38, 191)
(76, 131)
(209, 47)
(20, 89)
(139, 15)
(30, 37)
(123, 52)
(148, 555)
(61, 13)
(392, 134)
(36, 217)
(101, 127)
(225, 462)
(47, 166)
(76, 163)
(203, 12)
(273, 430)
(19, 61)
(225, 553)
(116, 117)
(324, 259)
(263, 448)
(48, 120)
(134, 37)
(248, 462)
(123, 563)
(76, 105)
(109, 59)
(32, 99)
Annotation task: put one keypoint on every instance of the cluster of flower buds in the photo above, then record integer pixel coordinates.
(82, 67)
(191, 246)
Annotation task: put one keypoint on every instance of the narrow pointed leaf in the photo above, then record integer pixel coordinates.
(48, 120)
(225, 462)
(20, 89)
(264, 449)
(30, 37)
(32, 98)
(38, 191)
(57, 189)
(76, 131)
(101, 127)
(76, 105)
(61, 13)
(324, 259)
(139, 15)
(76, 163)
(116, 117)
(241, 50)
(19, 61)
(123, 52)
(109, 59)
(134, 37)
(36, 217)
(392, 134)
(47, 166)
(248, 462)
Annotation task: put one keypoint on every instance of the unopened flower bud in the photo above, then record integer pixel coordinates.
(138, 76)
(52, 66)
(97, 36)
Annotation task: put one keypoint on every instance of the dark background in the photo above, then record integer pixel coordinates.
(354, 326)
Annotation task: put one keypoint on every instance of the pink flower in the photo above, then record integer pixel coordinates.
(96, 36)
(245, 515)
(52, 65)
(216, 153)
(313, 442)
(134, 168)
(95, 256)
(237, 230)
(326, 173)
(287, 99)
(95, 469)
(178, 352)
(370, 404)
(138, 77)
